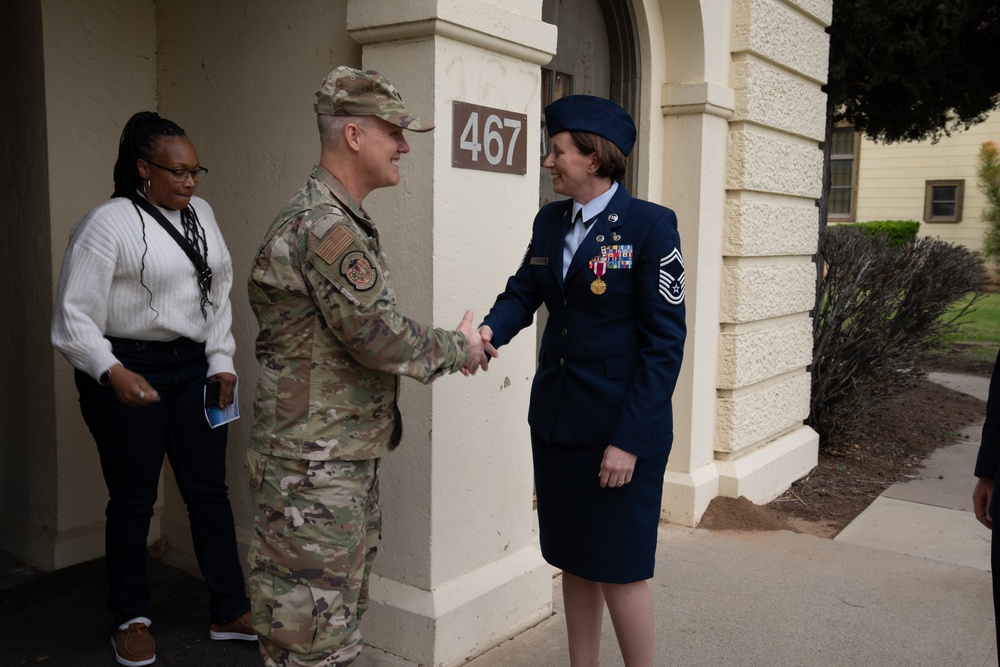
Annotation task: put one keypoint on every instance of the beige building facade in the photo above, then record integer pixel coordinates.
(935, 184)
(726, 94)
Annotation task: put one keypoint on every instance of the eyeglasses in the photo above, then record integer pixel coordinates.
(180, 175)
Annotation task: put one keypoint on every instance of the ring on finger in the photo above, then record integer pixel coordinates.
(142, 395)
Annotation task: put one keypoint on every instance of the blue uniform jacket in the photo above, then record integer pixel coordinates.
(608, 362)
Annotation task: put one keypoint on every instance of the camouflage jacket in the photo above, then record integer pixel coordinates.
(332, 344)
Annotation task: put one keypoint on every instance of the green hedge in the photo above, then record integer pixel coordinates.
(897, 232)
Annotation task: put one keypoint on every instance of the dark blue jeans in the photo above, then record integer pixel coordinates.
(132, 443)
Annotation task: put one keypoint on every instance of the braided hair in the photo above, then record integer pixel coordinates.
(138, 139)
(139, 135)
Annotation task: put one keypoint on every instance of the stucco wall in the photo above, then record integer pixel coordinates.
(99, 70)
(245, 99)
(79, 73)
(27, 440)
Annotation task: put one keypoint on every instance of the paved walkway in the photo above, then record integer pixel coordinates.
(906, 584)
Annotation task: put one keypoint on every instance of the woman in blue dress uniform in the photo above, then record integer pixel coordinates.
(609, 270)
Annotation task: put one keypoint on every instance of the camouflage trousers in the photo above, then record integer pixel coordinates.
(316, 533)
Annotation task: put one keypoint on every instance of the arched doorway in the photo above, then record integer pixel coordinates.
(597, 54)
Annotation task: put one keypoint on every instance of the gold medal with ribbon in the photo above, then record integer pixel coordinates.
(599, 286)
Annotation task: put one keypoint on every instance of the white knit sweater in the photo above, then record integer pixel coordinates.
(100, 290)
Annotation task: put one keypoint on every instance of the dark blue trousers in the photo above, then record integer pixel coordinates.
(132, 443)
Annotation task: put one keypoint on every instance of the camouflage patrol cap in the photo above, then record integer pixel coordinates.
(351, 92)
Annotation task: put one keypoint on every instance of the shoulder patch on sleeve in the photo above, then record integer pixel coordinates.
(358, 270)
(342, 259)
(336, 242)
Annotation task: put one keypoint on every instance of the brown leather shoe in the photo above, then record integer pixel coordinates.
(238, 628)
(134, 646)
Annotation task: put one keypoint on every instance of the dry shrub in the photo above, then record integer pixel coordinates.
(880, 308)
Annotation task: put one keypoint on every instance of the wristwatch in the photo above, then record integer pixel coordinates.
(106, 377)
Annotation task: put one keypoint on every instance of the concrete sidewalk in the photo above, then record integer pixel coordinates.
(907, 583)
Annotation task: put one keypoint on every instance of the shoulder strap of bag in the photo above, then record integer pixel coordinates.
(201, 267)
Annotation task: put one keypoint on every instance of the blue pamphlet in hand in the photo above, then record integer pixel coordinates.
(215, 415)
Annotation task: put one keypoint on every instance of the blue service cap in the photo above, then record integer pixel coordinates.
(587, 113)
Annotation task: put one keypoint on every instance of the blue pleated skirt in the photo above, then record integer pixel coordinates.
(606, 535)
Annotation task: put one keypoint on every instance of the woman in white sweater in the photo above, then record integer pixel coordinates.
(143, 314)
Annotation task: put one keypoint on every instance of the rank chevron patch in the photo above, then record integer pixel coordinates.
(672, 278)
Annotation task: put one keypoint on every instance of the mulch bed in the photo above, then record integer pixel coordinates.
(855, 468)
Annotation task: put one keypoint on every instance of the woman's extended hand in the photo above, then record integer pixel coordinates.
(616, 467)
(131, 388)
(227, 389)
(981, 497)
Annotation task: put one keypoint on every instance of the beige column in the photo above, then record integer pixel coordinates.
(695, 129)
(459, 569)
(773, 177)
(695, 106)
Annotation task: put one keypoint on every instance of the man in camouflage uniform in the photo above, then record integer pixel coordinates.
(331, 348)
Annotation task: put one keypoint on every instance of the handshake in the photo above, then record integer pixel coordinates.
(480, 345)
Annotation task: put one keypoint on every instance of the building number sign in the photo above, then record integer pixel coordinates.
(488, 139)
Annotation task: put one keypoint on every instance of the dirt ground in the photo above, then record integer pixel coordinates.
(854, 470)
